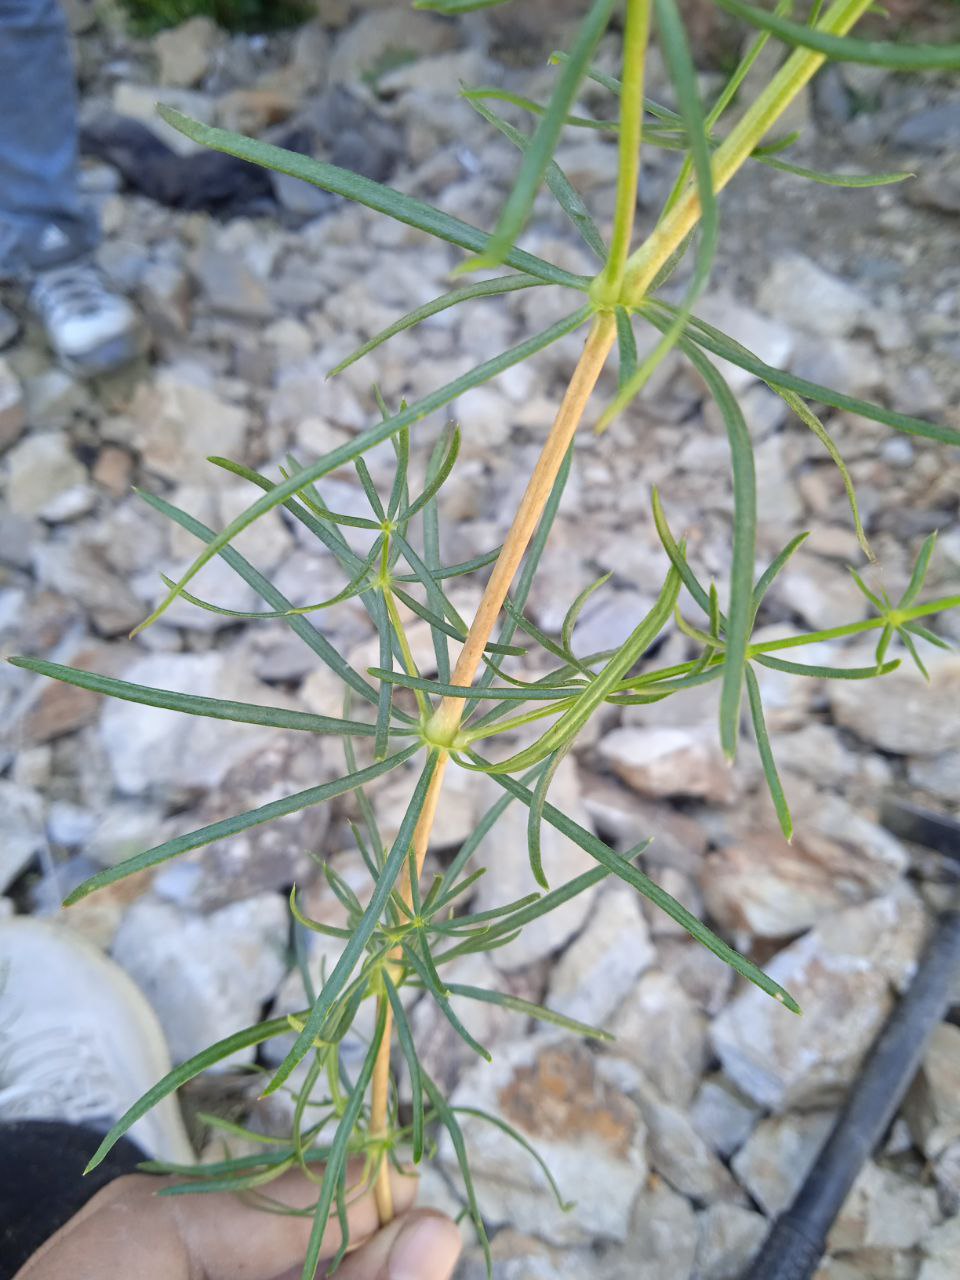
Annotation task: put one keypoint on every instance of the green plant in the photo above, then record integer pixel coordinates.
(406, 932)
(148, 16)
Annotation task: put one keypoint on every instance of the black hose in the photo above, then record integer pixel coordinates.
(797, 1240)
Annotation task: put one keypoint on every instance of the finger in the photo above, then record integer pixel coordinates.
(127, 1229)
(227, 1237)
(421, 1245)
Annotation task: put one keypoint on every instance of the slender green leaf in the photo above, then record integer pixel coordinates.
(876, 53)
(342, 970)
(429, 978)
(223, 1186)
(538, 154)
(449, 1122)
(408, 1049)
(613, 861)
(195, 705)
(357, 586)
(172, 1081)
(430, 519)
(265, 589)
(911, 648)
(826, 673)
(810, 419)
(385, 697)
(853, 180)
(401, 445)
(535, 814)
(626, 347)
(478, 917)
(931, 637)
(239, 822)
(455, 570)
(919, 575)
(774, 785)
(438, 475)
(374, 195)
(352, 450)
(573, 613)
(740, 609)
(676, 556)
(565, 1205)
(528, 1009)
(312, 512)
(775, 568)
(450, 7)
(562, 189)
(480, 289)
(713, 340)
(315, 926)
(461, 691)
(870, 596)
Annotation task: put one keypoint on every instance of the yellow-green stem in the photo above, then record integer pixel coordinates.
(640, 270)
(405, 651)
(723, 101)
(635, 39)
(795, 73)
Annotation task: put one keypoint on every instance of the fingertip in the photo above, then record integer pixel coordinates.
(427, 1248)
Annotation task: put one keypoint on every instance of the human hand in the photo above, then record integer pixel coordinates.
(127, 1230)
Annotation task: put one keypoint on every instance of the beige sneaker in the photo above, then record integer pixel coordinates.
(78, 1041)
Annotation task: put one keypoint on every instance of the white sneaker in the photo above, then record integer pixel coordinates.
(91, 329)
(78, 1041)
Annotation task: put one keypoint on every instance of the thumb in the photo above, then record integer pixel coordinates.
(421, 1245)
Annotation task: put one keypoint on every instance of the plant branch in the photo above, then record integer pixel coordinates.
(637, 273)
(635, 40)
(446, 720)
(796, 72)
(380, 1087)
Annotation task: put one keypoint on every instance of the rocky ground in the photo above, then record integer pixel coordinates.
(683, 1138)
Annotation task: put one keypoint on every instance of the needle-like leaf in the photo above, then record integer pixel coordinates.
(194, 704)
(353, 450)
(374, 195)
(539, 152)
(188, 1070)
(875, 53)
(239, 822)
(774, 785)
(629, 873)
(562, 189)
(352, 952)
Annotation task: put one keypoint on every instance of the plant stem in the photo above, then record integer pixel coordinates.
(639, 271)
(446, 719)
(635, 39)
(674, 227)
(721, 104)
(380, 1084)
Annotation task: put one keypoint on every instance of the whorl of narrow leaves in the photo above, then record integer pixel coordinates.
(397, 935)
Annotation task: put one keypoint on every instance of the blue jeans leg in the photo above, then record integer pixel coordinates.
(42, 221)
